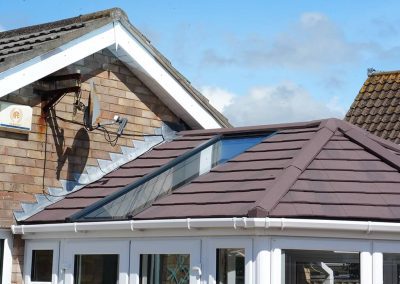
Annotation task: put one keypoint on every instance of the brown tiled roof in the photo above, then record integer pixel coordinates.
(23, 44)
(320, 169)
(377, 106)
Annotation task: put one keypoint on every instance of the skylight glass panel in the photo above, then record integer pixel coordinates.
(141, 194)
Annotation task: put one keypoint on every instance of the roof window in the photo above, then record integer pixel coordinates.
(137, 196)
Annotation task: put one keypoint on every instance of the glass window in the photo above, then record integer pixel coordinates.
(230, 266)
(179, 172)
(304, 267)
(42, 265)
(391, 268)
(96, 269)
(164, 268)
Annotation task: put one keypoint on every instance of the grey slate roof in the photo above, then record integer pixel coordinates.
(20, 45)
(320, 169)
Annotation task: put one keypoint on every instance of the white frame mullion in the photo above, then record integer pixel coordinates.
(364, 247)
(209, 258)
(166, 246)
(72, 247)
(262, 260)
(377, 270)
(7, 255)
(32, 245)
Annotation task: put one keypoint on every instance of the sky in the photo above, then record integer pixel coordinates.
(258, 62)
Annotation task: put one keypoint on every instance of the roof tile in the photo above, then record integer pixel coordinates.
(334, 171)
(381, 99)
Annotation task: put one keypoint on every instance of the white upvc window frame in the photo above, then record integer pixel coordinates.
(379, 248)
(41, 245)
(210, 246)
(7, 255)
(322, 244)
(166, 246)
(71, 248)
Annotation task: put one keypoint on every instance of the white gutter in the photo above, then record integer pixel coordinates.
(282, 224)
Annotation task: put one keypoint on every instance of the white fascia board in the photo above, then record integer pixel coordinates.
(6, 235)
(114, 36)
(54, 60)
(273, 225)
(142, 59)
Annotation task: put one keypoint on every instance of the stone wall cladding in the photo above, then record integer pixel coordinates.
(57, 149)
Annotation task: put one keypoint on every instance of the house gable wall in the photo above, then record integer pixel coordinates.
(61, 148)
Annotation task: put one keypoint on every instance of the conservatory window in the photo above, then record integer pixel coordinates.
(42, 265)
(331, 267)
(96, 268)
(138, 196)
(164, 268)
(230, 266)
(391, 268)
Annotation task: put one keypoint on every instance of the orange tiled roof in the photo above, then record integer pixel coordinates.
(377, 106)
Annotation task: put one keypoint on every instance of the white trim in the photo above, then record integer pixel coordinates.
(276, 265)
(321, 244)
(366, 267)
(43, 65)
(212, 244)
(73, 247)
(380, 248)
(40, 245)
(377, 268)
(262, 259)
(272, 225)
(165, 246)
(6, 235)
(133, 53)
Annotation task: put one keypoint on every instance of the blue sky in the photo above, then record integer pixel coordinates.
(259, 62)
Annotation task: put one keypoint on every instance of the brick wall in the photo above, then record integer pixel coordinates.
(57, 148)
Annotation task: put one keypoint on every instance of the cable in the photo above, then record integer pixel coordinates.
(45, 160)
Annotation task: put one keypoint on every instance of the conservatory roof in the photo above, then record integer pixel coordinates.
(319, 169)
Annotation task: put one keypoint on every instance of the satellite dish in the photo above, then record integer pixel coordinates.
(92, 111)
(92, 121)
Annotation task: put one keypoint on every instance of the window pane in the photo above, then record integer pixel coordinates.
(164, 268)
(42, 265)
(304, 267)
(391, 268)
(230, 266)
(96, 269)
(172, 177)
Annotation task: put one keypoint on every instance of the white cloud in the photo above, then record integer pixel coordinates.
(285, 102)
(312, 42)
(219, 98)
(2, 28)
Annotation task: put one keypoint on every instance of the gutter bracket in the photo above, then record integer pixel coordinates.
(245, 222)
(234, 223)
(282, 224)
(75, 228)
(188, 223)
(369, 227)
(131, 225)
(267, 223)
